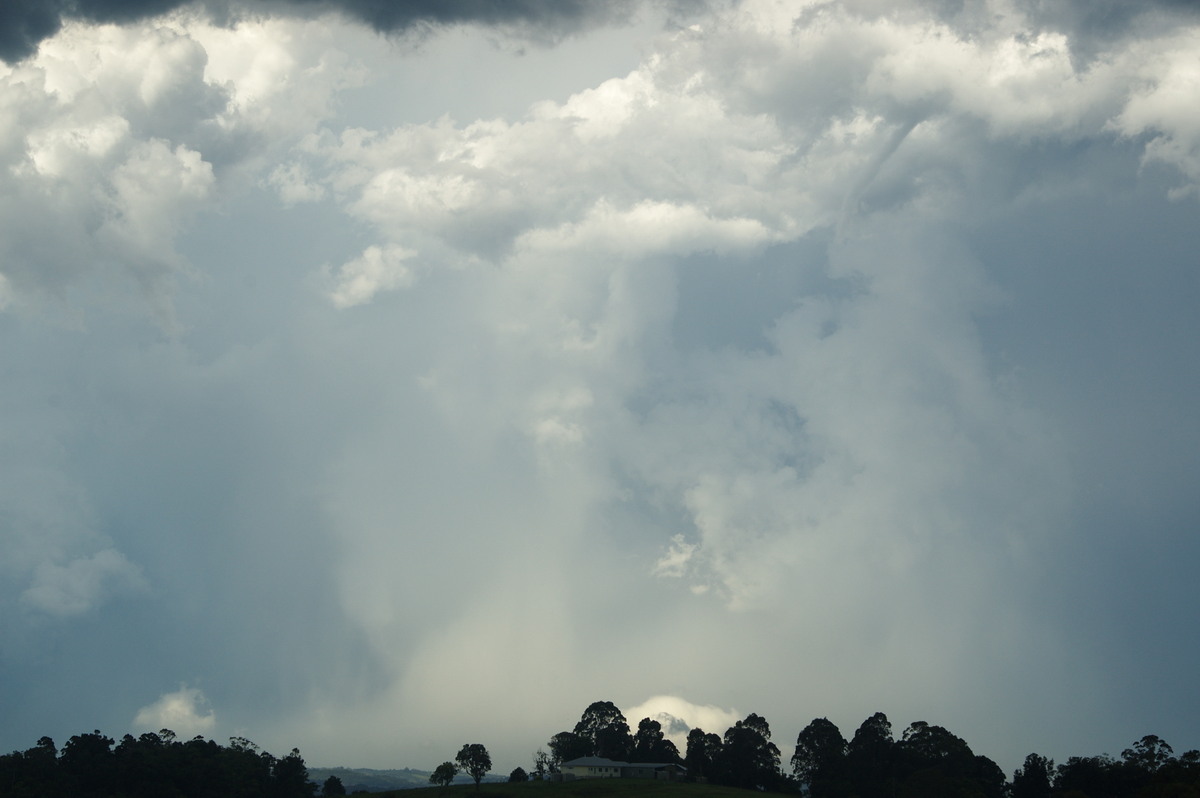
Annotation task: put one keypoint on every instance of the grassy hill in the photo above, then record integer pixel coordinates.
(373, 780)
(581, 788)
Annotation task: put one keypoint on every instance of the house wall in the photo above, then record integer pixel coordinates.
(593, 772)
(657, 772)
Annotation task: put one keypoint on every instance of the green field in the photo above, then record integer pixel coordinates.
(581, 788)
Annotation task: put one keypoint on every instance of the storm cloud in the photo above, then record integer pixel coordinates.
(371, 395)
(25, 23)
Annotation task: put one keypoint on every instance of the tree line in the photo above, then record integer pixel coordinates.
(925, 761)
(472, 759)
(155, 766)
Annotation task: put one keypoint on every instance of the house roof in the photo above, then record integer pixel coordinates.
(593, 761)
(599, 761)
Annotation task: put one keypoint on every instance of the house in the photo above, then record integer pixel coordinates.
(597, 767)
(592, 767)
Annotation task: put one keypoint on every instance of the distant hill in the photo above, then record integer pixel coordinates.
(382, 780)
(582, 788)
(372, 780)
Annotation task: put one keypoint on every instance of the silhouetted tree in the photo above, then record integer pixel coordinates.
(152, 766)
(1179, 776)
(1034, 779)
(870, 758)
(1148, 754)
(289, 777)
(931, 760)
(518, 774)
(604, 725)
(924, 745)
(647, 738)
(475, 761)
(928, 762)
(989, 777)
(33, 773)
(144, 764)
(543, 765)
(1087, 775)
(88, 763)
(820, 759)
(702, 750)
(43, 761)
(566, 746)
(748, 758)
(443, 774)
(651, 745)
(244, 768)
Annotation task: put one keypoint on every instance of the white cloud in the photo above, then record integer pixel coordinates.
(377, 269)
(482, 187)
(675, 562)
(186, 712)
(83, 584)
(294, 184)
(152, 187)
(117, 136)
(673, 711)
(55, 562)
(1161, 106)
(281, 74)
(872, 436)
(646, 229)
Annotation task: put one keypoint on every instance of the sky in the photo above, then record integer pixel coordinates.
(378, 378)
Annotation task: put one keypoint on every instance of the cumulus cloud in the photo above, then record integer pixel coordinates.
(867, 440)
(79, 586)
(377, 269)
(678, 716)
(186, 712)
(675, 562)
(762, 183)
(866, 443)
(56, 564)
(1160, 108)
(116, 137)
(294, 184)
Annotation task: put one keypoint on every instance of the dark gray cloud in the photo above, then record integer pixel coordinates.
(25, 23)
(385, 15)
(1095, 25)
(1105, 16)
